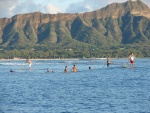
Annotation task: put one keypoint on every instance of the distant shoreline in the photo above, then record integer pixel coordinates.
(65, 59)
(68, 58)
(58, 59)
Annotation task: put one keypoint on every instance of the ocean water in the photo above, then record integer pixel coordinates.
(100, 90)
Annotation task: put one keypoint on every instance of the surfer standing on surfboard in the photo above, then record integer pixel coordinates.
(131, 58)
(29, 63)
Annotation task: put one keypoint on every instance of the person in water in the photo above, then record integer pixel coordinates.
(11, 70)
(108, 62)
(29, 63)
(131, 58)
(74, 69)
(48, 70)
(89, 68)
(124, 65)
(66, 69)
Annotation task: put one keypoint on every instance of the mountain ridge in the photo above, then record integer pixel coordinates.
(102, 26)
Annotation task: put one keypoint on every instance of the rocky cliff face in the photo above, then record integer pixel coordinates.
(116, 23)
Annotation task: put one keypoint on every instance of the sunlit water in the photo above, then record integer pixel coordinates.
(101, 90)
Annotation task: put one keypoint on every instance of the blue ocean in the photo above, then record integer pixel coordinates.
(102, 89)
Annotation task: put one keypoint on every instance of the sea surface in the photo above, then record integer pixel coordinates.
(113, 89)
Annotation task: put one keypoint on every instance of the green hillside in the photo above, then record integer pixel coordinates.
(88, 35)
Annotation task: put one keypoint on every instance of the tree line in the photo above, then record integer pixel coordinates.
(113, 52)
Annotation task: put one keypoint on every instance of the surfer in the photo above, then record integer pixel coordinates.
(29, 63)
(131, 58)
(74, 69)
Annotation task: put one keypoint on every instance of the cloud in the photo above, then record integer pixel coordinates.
(86, 5)
(49, 8)
(9, 8)
(91, 5)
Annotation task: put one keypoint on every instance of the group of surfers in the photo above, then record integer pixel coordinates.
(131, 59)
(74, 68)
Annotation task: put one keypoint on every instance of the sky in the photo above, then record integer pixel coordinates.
(9, 8)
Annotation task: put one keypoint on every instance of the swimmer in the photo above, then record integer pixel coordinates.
(124, 65)
(108, 62)
(11, 70)
(48, 70)
(89, 68)
(74, 69)
(66, 69)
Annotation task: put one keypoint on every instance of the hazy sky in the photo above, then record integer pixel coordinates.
(9, 8)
